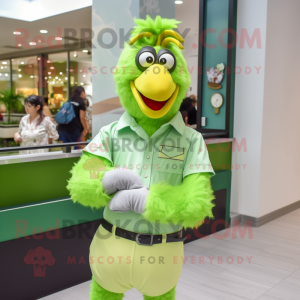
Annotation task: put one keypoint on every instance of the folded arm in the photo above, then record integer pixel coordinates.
(187, 204)
(85, 185)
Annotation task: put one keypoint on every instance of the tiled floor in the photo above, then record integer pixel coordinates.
(264, 267)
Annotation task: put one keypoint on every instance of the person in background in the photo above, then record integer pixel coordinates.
(192, 113)
(185, 107)
(73, 131)
(46, 109)
(83, 137)
(35, 128)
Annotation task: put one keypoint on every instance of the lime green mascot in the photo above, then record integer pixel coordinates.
(150, 171)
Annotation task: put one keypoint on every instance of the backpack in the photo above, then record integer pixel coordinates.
(66, 114)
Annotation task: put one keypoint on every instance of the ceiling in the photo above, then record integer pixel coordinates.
(74, 20)
(32, 10)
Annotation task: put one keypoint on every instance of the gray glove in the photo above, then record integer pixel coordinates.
(118, 180)
(127, 200)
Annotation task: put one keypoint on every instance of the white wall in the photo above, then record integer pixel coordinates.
(248, 109)
(280, 159)
(266, 109)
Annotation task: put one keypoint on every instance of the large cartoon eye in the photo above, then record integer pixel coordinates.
(167, 59)
(145, 58)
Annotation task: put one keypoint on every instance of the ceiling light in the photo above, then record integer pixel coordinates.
(20, 75)
(85, 50)
(19, 70)
(45, 77)
(83, 75)
(0, 74)
(1, 67)
(81, 83)
(60, 73)
(43, 31)
(6, 74)
(19, 45)
(75, 54)
(51, 68)
(56, 77)
(49, 73)
(178, 2)
(31, 76)
(48, 61)
(17, 32)
(49, 76)
(66, 78)
(58, 38)
(4, 63)
(22, 62)
(32, 43)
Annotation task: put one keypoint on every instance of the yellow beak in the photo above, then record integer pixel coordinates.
(155, 91)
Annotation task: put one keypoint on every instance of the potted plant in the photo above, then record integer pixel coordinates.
(12, 101)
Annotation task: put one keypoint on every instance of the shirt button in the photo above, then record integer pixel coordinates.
(148, 156)
(146, 176)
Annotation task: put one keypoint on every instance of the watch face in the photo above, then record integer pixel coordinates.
(216, 100)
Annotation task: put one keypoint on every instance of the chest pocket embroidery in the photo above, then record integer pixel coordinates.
(172, 159)
(171, 152)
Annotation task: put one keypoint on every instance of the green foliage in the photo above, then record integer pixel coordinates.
(8, 143)
(12, 101)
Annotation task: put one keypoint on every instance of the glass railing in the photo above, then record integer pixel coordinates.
(52, 148)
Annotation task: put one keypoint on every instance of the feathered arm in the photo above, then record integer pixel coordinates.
(86, 189)
(187, 204)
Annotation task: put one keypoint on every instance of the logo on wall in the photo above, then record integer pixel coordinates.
(39, 258)
(150, 6)
(215, 77)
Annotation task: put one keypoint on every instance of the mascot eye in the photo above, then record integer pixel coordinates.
(146, 59)
(167, 59)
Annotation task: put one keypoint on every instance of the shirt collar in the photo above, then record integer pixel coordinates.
(128, 121)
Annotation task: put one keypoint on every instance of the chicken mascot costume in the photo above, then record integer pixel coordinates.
(150, 171)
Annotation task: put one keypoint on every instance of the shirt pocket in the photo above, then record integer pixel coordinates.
(170, 159)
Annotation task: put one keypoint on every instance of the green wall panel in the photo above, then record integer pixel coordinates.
(26, 220)
(220, 155)
(216, 17)
(34, 181)
(20, 221)
(222, 180)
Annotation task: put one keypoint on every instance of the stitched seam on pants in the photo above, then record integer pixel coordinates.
(132, 262)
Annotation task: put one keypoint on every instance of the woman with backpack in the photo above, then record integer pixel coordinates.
(35, 128)
(72, 131)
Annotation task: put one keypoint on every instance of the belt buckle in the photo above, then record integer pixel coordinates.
(139, 243)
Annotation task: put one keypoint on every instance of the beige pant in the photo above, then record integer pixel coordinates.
(119, 264)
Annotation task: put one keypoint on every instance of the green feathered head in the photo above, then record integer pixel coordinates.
(152, 77)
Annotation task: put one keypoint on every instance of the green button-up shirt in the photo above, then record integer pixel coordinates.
(173, 152)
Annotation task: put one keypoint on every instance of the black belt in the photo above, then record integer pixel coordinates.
(144, 239)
